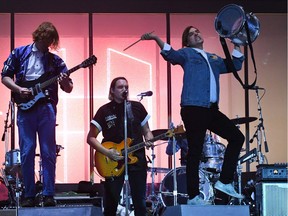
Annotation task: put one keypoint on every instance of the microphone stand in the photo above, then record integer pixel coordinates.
(126, 181)
(260, 132)
(141, 97)
(4, 136)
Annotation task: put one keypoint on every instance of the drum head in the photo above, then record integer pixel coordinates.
(230, 20)
(253, 27)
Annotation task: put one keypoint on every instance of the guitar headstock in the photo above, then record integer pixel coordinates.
(91, 60)
(178, 130)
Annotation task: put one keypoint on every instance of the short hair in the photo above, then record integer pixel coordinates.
(112, 86)
(185, 35)
(47, 31)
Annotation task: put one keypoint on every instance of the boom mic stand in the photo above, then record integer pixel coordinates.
(5, 133)
(260, 132)
(126, 181)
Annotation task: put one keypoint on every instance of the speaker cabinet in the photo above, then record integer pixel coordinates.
(271, 198)
(209, 210)
(54, 211)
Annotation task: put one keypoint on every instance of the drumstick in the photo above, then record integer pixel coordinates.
(135, 42)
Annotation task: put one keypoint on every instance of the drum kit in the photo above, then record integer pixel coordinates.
(12, 177)
(210, 166)
(209, 172)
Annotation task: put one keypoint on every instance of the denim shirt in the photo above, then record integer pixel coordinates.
(17, 62)
(196, 79)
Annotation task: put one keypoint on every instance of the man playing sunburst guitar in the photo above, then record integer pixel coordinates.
(109, 157)
(30, 65)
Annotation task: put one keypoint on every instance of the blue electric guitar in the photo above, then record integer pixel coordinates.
(37, 86)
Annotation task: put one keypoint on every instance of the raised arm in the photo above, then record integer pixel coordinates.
(151, 36)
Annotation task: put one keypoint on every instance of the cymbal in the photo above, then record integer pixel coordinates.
(243, 120)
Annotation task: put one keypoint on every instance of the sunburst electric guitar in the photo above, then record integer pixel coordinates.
(107, 167)
(36, 86)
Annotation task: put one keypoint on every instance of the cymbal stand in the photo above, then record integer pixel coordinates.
(155, 200)
(174, 173)
(17, 191)
(239, 175)
(152, 173)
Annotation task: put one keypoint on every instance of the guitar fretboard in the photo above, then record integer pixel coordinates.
(141, 145)
(54, 79)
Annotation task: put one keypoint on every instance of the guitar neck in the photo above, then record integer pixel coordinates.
(54, 79)
(143, 144)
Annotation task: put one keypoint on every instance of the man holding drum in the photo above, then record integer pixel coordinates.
(199, 108)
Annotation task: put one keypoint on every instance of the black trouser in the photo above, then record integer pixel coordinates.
(113, 187)
(196, 121)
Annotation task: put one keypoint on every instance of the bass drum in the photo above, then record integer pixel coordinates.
(167, 185)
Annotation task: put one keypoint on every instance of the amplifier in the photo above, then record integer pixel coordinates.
(79, 200)
(271, 198)
(271, 172)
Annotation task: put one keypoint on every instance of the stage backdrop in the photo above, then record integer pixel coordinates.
(145, 70)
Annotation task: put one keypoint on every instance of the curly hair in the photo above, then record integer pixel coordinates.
(47, 31)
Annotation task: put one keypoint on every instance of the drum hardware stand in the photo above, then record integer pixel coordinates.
(152, 173)
(17, 192)
(247, 157)
(152, 197)
(17, 189)
(239, 175)
(39, 184)
(174, 175)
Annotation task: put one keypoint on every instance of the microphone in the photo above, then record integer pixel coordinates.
(254, 136)
(144, 94)
(256, 88)
(125, 93)
(3, 137)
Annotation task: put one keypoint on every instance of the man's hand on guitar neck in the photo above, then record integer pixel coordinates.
(65, 82)
(113, 154)
(148, 144)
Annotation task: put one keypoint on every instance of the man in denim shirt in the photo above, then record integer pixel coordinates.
(199, 108)
(30, 65)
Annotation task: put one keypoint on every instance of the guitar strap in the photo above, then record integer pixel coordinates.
(230, 62)
(129, 111)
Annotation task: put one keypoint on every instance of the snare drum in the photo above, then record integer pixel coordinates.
(12, 161)
(167, 186)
